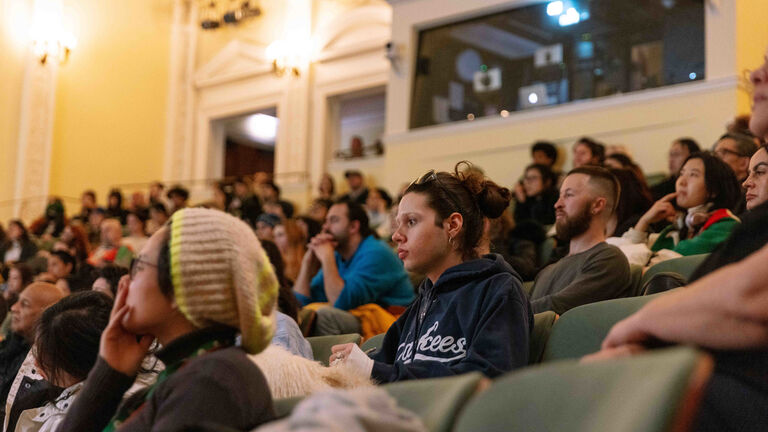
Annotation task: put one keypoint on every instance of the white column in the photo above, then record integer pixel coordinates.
(33, 163)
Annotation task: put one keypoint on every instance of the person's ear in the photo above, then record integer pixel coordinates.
(453, 224)
(598, 206)
(354, 226)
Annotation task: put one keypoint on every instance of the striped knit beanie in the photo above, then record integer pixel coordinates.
(221, 274)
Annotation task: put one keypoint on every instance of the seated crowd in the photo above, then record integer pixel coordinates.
(154, 315)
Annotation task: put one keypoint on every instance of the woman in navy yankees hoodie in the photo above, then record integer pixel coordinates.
(471, 313)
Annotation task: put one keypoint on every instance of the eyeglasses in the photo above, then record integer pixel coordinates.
(722, 152)
(135, 264)
(431, 176)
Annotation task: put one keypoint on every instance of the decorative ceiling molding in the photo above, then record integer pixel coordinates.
(237, 60)
(341, 36)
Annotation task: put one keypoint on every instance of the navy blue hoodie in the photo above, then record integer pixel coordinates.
(475, 318)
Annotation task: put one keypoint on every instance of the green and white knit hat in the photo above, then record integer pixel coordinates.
(221, 274)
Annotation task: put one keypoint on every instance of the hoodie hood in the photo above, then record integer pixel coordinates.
(476, 269)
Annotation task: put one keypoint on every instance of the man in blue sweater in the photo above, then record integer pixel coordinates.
(346, 266)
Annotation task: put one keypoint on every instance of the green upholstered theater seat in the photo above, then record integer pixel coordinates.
(636, 278)
(652, 392)
(321, 345)
(437, 401)
(542, 326)
(373, 343)
(581, 330)
(684, 266)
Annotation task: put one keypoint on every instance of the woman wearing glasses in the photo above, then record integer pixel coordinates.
(200, 281)
(471, 313)
(707, 191)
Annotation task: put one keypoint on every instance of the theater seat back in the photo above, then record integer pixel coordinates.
(321, 345)
(647, 393)
(542, 327)
(581, 330)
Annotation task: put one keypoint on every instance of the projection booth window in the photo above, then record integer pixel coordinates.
(552, 53)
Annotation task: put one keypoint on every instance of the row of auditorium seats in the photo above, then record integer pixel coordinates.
(651, 392)
(682, 267)
(647, 393)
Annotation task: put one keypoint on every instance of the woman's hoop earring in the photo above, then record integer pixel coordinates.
(450, 241)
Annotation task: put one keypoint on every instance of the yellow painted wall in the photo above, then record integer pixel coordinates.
(751, 39)
(111, 96)
(14, 24)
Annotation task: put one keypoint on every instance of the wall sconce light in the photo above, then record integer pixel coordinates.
(55, 48)
(49, 39)
(288, 57)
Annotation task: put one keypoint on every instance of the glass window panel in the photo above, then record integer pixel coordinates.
(553, 53)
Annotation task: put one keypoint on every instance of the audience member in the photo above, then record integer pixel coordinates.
(115, 208)
(158, 215)
(66, 348)
(544, 153)
(265, 226)
(517, 244)
(736, 150)
(593, 270)
(52, 222)
(348, 267)
(87, 204)
(623, 161)
(318, 210)
(93, 229)
(377, 206)
(179, 198)
(245, 204)
(138, 203)
(156, 193)
(19, 276)
(471, 313)
(587, 151)
(33, 300)
(73, 283)
(61, 264)
(756, 183)
(634, 201)
(107, 279)
(358, 192)
(286, 301)
(137, 236)
(111, 249)
(707, 190)
(75, 239)
(309, 226)
(270, 193)
(535, 195)
(18, 246)
(326, 189)
(679, 152)
(198, 281)
(292, 244)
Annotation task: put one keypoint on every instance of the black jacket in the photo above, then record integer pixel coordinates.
(475, 318)
(13, 351)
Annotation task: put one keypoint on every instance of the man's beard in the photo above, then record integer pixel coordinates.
(569, 227)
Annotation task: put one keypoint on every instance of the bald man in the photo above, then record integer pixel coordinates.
(593, 270)
(35, 298)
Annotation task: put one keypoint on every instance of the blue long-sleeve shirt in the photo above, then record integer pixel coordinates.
(373, 274)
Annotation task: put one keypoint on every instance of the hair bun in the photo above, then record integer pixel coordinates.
(491, 198)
